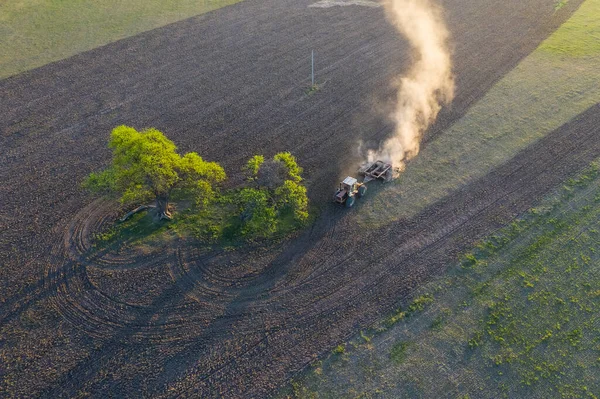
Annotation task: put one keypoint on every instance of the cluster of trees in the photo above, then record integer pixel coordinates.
(146, 167)
(274, 194)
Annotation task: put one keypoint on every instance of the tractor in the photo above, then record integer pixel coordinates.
(350, 188)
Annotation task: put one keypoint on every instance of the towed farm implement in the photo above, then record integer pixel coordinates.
(351, 188)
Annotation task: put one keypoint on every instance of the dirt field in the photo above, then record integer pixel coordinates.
(192, 322)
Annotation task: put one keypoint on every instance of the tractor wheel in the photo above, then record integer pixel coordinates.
(362, 190)
(389, 175)
(350, 202)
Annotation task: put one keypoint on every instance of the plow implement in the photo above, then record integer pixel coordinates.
(351, 188)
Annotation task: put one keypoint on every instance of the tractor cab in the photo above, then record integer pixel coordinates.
(349, 189)
(349, 184)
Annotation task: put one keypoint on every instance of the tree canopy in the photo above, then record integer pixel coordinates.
(291, 196)
(277, 193)
(146, 166)
(253, 166)
(258, 215)
(289, 161)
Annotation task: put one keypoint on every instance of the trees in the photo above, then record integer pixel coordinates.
(253, 166)
(146, 166)
(275, 194)
(289, 161)
(291, 196)
(257, 214)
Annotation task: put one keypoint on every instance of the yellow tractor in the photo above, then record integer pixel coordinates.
(350, 188)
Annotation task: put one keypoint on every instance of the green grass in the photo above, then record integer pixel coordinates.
(36, 32)
(417, 305)
(555, 83)
(141, 228)
(206, 226)
(578, 37)
(518, 316)
(398, 352)
(560, 4)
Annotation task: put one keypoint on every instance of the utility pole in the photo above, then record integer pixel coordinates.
(312, 67)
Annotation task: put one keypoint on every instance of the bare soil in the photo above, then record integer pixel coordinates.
(199, 322)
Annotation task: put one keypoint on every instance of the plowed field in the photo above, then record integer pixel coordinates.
(185, 321)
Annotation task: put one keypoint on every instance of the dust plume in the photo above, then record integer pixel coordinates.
(428, 85)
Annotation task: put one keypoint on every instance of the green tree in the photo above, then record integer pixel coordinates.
(146, 166)
(258, 216)
(289, 161)
(277, 192)
(291, 196)
(273, 173)
(253, 166)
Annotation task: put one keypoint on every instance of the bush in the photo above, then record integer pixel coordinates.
(287, 159)
(258, 217)
(254, 165)
(398, 352)
(276, 196)
(291, 197)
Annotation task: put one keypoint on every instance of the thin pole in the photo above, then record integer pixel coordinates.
(312, 66)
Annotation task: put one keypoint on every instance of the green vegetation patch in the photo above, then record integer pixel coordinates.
(139, 229)
(146, 168)
(398, 352)
(545, 91)
(518, 316)
(36, 32)
(560, 4)
(578, 37)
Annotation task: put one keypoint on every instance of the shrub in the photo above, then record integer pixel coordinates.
(287, 159)
(258, 217)
(291, 196)
(253, 165)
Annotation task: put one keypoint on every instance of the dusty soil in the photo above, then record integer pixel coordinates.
(179, 320)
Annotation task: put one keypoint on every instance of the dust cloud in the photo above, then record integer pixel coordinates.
(426, 87)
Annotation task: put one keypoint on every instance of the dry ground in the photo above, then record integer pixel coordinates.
(182, 321)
